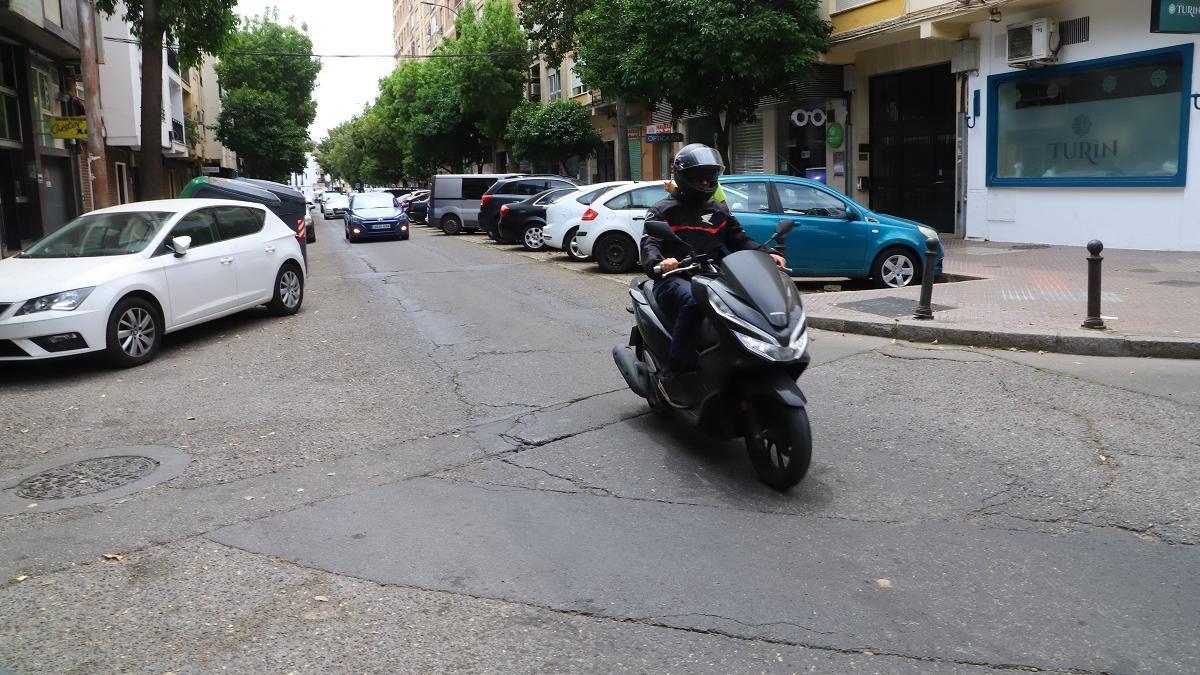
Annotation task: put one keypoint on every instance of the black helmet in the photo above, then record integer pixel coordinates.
(696, 169)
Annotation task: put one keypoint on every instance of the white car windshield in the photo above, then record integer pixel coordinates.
(101, 234)
(338, 200)
(374, 200)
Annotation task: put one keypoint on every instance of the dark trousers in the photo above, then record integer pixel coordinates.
(674, 295)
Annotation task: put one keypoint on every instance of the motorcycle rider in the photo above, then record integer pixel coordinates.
(706, 226)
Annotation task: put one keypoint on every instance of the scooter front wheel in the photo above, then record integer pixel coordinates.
(779, 443)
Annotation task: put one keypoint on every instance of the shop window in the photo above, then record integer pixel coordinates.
(1119, 121)
(800, 145)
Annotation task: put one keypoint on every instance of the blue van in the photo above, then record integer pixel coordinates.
(834, 236)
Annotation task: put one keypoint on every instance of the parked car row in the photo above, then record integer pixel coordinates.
(834, 235)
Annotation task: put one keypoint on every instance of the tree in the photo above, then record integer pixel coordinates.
(492, 72)
(268, 77)
(551, 134)
(254, 124)
(197, 27)
(730, 54)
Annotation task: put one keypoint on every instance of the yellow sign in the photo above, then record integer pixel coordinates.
(69, 127)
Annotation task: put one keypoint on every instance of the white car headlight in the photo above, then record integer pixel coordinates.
(928, 232)
(67, 300)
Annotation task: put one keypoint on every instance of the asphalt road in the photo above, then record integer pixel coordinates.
(436, 467)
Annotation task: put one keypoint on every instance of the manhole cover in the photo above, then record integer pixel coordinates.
(1028, 247)
(889, 307)
(1178, 283)
(86, 477)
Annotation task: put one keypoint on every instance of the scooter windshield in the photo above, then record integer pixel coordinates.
(754, 277)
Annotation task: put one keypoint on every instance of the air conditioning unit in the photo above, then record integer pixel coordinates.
(1032, 43)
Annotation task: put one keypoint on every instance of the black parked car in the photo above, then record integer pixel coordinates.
(417, 206)
(399, 192)
(508, 191)
(523, 221)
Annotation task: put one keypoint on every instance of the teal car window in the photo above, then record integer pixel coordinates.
(803, 200)
(752, 196)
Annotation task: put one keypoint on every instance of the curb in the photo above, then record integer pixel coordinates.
(1100, 344)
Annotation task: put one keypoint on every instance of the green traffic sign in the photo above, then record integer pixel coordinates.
(1175, 16)
(835, 135)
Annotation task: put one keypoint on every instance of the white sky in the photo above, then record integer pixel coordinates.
(340, 27)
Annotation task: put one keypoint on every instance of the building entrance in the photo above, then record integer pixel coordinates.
(912, 146)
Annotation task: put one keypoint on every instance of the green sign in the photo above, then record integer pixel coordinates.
(1175, 16)
(835, 134)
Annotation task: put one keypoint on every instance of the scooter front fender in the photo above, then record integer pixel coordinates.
(774, 385)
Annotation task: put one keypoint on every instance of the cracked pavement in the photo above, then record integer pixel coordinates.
(436, 467)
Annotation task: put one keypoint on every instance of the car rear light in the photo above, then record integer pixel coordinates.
(483, 202)
(590, 214)
(503, 210)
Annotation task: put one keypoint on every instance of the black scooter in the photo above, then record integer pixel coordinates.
(753, 348)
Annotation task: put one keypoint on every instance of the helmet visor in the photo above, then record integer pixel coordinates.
(703, 177)
(703, 156)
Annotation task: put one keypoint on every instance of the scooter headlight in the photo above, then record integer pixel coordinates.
(773, 352)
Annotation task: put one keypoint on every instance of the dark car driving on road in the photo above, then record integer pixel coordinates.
(374, 215)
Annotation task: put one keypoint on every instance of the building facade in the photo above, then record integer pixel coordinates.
(121, 89)
(40, 185)
(215, 158)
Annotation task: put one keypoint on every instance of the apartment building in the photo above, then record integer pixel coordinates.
(40, 184)
(215, 159)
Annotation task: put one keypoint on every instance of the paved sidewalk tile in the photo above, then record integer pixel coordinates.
(1026, 287)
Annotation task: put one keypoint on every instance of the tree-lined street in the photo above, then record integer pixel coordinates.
(435, 466)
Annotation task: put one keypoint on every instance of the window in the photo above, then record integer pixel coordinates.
(45, 86)
(552, 183)
(475, 188)
(577, 87)
(554, 83)
(527, 188)
(122, 183)
(752, 196)
(1110, 122)
(101, 234)
(803, 200)
(588, 197)
(644, 198)
(553, 196)
(239, 221)
(199, 225)
(619, 202)
(53, 11)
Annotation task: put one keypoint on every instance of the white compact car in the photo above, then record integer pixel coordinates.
(610, 230)
(117, 279)
(562, 218)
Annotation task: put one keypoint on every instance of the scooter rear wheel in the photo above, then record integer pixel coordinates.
(779, 443)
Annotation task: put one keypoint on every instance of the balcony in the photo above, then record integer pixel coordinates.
(535, 92)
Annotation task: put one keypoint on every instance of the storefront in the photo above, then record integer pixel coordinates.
(1094, 146)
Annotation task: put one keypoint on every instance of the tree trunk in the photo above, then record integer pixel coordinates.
(150, 159)
(621, 145)
(723, 140)
(95, 158)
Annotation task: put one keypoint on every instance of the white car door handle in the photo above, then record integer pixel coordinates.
(269, 249)
(226, 261)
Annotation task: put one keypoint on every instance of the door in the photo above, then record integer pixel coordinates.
(750, 202)
(254, 258)
(630, 208)
(828, 237)
(202, 282)
(56, 193)
(912, 146)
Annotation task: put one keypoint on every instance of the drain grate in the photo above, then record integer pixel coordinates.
(1028, 247)
(1177, 283)
(890, 307)
(86, 477)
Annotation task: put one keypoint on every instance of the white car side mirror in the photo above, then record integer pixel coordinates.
(180, 245)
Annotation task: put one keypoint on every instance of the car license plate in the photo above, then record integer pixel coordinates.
(381, 226)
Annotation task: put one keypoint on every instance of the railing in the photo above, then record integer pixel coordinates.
(177, 131)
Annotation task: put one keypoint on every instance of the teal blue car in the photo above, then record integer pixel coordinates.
(834, 236)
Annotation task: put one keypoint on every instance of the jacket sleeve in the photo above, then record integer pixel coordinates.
(736, 238)
(652, 246)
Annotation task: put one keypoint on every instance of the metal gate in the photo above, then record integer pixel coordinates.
(748, 148)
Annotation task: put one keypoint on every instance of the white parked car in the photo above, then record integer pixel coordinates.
(610, 230)
(117, 279)
(562, 218)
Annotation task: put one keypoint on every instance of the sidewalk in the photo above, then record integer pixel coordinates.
(1034, 297)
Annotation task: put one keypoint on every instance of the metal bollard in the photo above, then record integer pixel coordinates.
(924, 308)
(1093, 320)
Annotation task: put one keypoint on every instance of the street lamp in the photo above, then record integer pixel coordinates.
(438, 4)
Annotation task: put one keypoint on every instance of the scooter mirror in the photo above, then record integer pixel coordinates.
(784, 227)
(659, 229)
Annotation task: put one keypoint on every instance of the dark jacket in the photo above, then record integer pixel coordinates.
(707, 227)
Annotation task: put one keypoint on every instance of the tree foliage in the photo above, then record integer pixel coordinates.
(732, 53)
(552, 26)
(551, 134)
(197, 27)
(268, 102)
(491, 86)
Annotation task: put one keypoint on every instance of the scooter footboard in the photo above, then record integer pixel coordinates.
(775, 385)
